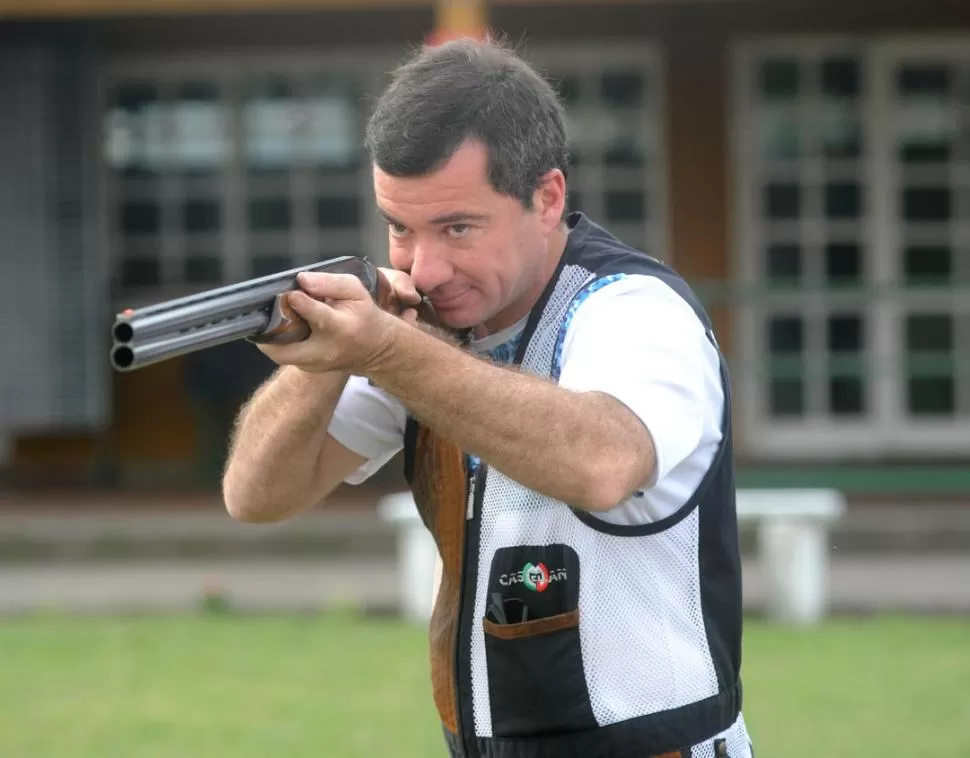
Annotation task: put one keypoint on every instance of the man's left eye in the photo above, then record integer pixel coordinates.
(458, 230)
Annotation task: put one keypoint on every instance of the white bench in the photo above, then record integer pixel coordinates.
(419, 567)
(793, 549)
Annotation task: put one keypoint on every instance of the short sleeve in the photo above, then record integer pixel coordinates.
(640, 342)
(369, 422)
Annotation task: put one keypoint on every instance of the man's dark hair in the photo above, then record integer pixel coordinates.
(465, 89)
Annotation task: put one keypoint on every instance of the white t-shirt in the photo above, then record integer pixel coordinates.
(634, 339)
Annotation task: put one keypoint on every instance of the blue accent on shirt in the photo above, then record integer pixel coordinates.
(585, 292)
(505, 353)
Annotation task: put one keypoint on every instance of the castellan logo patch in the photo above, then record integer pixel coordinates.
(533, 582)
(535, 577)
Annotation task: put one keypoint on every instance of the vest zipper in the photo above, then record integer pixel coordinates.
(470, 508)
(475, 492)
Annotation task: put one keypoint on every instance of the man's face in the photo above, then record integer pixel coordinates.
(479, 256)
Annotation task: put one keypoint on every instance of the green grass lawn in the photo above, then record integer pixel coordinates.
(221, 686)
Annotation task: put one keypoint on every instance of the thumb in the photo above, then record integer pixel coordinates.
(322, 286)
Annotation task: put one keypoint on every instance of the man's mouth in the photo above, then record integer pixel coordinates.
(450, 301)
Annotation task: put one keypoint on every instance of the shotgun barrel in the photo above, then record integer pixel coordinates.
(250, 310)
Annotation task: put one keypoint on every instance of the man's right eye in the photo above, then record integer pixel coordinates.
(398, 230)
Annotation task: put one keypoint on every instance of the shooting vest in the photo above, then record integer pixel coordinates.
(555, 633)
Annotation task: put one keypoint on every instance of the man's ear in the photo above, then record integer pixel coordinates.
(549, 199)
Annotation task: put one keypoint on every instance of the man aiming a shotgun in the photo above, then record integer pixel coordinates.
(570, 450)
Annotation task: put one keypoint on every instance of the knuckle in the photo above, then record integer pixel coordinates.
(348, 282)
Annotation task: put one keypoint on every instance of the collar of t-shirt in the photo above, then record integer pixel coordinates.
(502, 346)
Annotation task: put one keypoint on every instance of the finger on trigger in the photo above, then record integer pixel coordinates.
(406, 291)
(402, 285)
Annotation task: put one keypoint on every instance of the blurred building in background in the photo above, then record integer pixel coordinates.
(806, 165)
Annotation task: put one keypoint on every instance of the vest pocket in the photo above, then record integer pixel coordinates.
(536, 680)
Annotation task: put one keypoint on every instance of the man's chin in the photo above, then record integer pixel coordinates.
(458, 318)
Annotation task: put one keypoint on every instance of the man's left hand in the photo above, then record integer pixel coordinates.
(348, 331)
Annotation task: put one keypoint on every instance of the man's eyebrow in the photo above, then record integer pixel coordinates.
(458, 217)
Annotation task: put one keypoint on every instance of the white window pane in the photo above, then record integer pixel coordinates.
(272, 118)
(136, 129)
(200, 142)
(333, 133)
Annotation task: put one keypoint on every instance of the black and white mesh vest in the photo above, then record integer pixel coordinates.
(558, 634)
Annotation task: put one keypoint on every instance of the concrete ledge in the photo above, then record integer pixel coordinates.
(936, 585)
(134, 527)
(206, 531)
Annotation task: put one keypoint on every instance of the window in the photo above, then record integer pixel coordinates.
(927, 187)
(221, 169)
(854, 199)
(614, 106)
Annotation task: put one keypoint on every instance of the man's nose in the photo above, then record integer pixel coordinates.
(429, 269)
